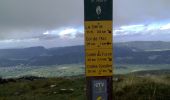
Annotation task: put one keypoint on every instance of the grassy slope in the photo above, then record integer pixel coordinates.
(127, 88)
(41, 90)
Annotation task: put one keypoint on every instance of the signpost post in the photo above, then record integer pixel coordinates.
(98, 49)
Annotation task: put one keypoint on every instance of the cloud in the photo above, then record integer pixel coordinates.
(20, 19)
(60, 22)
(63, 33)
(68, 33)
(41, 13)
(165, 27)
(130, 12)
(150, 29)
(149, 32)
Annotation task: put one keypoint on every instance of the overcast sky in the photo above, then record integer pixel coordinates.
(55, 23)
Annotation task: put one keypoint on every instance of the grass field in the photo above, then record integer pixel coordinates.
(127, 87)
(70, 70)
(42, 71)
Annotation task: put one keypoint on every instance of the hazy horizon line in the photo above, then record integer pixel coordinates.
(76, 45)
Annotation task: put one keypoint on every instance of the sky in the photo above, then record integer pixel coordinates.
(58, 23)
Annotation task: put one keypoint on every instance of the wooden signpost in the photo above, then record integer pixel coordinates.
(98, 49)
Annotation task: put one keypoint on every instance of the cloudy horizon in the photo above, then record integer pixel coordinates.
(58, 23)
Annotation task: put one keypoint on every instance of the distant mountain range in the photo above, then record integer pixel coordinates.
(124, 53)
(147, 45)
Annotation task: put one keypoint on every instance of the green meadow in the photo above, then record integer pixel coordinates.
(125, 87)
(70, 70)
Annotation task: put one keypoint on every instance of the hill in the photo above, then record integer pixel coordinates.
(146, 45)
(124, 53)
(38, 56)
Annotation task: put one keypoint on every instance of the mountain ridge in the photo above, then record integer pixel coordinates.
(123, 54)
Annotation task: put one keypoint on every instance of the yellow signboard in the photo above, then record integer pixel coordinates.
(98, 34)
(98, 45)
(99, 62)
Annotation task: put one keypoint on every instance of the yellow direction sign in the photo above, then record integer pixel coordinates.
(99, 62)
(98, 45)
(98, 34)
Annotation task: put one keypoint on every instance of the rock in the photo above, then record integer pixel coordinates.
(66, 91)
(52, 86)
(71, 89)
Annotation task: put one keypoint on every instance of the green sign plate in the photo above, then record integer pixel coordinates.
(98, 10)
